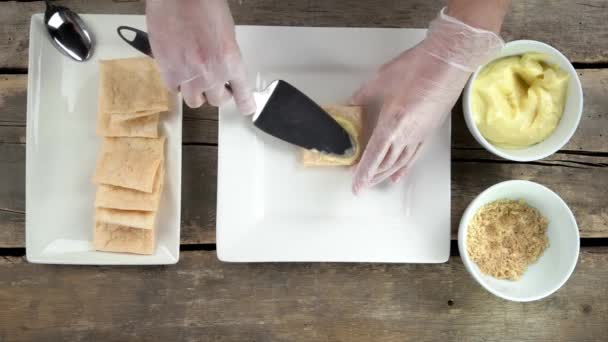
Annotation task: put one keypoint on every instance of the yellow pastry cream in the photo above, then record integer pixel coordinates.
(351, 119)
(518, 101)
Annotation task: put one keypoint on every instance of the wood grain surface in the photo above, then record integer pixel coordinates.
(579, 179)
(579, 173)
(576, 28)
(200, 125)
(201, 299)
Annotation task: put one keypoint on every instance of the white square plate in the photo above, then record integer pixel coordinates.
(271, 208)
(62, 149)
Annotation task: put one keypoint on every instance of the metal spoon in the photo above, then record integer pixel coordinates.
(68, 32)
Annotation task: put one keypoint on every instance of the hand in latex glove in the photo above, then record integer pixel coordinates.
(195, 46)
(417, 90)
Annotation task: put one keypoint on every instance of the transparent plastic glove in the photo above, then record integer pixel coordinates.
(417, 90)
(194, 44)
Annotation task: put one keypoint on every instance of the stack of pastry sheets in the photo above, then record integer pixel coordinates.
(130, 171)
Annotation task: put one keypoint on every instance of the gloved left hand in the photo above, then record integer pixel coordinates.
(195, 46)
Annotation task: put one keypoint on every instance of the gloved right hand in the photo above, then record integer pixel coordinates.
(194, 44)
(417, 90)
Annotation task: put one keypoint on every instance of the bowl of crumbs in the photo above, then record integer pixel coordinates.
(519, 240)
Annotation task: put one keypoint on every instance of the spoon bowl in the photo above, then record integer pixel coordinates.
(68, 32)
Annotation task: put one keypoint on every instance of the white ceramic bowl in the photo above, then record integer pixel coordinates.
(572, 109)
(556, 264)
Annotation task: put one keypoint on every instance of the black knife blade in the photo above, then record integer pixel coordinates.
(288, 114)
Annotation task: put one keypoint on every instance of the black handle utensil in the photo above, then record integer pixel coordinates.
(282, 110)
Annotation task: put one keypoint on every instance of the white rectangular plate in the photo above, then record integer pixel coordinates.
(271, 208)
(62, 149)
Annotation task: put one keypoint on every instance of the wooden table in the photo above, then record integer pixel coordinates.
(203, 299)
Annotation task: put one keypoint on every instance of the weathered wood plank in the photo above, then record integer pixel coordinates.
(199, 191)
(591, 135)
(203, 299)
(199, 177)
(200, 126)
(12, 228)
(12, 178)
(197, 129)
(580, 189)
(581, 180)
(13, 101)
(576, 28)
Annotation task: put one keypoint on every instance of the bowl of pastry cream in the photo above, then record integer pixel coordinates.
(525, 104)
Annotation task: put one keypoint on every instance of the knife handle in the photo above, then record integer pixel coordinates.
(140, 41)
